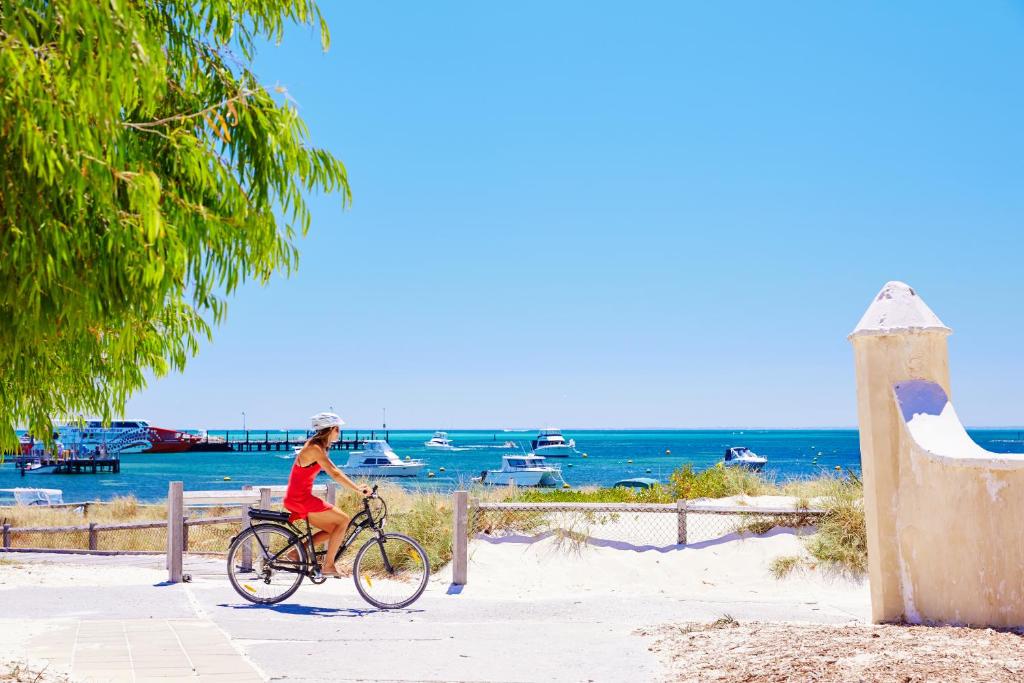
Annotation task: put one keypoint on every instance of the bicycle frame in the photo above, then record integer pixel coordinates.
(361, 521)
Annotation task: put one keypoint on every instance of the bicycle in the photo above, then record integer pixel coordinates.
(390, 570)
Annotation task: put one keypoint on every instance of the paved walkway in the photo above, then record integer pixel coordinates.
(143, 650)
(116, 619)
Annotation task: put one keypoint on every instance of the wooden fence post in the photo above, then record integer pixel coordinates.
(246, 547)
(175, 514)
(460, 537)
(264, 505)
(184, 534)
(7, 535)
(92, 536)
(681, 522)
(332, 494)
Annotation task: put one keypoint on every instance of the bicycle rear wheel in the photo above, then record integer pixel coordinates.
(258, 565)
(391, 571)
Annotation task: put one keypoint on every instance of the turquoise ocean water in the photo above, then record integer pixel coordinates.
(790, 455)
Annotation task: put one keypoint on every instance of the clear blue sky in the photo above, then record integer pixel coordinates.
(633, 215)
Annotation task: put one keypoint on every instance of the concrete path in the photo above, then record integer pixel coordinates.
(328, 633)
(143, 650)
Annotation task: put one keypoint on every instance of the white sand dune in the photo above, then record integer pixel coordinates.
(636, 554)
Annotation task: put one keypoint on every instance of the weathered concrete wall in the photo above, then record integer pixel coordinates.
(945, 536)
(959, 523)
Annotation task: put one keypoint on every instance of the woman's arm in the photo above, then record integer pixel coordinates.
(336, 474)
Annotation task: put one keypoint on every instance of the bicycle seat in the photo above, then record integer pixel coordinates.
(269, 515)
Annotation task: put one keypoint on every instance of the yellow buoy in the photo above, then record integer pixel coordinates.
(430, 475)
(668, 452)
(630, 462)
(569, 465)
(566, 486)
(584, 455)
(227, 478)
(838, 467)
(440, 469)
(647, 471)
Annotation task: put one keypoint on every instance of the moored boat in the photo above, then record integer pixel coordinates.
(522, 470)
(31, 496)
(125, 436)
(377, 459)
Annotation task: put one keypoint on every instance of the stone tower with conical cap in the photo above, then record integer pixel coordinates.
(898, 338)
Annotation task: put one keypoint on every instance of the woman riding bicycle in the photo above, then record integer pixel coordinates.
(299, 499)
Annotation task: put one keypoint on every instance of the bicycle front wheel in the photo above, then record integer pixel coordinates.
(266, 563)
(391, 571)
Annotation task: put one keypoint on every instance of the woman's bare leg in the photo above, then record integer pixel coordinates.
(333, 543)
(333, 522)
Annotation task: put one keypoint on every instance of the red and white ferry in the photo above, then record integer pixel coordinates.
(125, 436)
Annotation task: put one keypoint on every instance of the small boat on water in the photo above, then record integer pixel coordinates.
(31, 496)
(551, 444)
(741, 456)
(638, 483)
(440, 441)
(377, 459)
(522, 470)
(38, 467)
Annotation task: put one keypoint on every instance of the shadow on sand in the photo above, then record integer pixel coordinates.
(623, 545)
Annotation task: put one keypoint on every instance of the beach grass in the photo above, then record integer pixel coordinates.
(841, 539)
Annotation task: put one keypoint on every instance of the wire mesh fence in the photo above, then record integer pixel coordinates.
(629, 525)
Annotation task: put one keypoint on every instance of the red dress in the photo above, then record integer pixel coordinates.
(299, 499)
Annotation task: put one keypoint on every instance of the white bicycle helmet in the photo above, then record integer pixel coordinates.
(326, 421)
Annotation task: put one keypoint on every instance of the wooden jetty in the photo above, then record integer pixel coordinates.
(250, 441)
(54, 465)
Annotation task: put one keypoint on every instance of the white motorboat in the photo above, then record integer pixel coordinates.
(31, 496)
(37, 467)
(522, 470)
(377, 459)
(440, 441)
(551, 444)
(741, 456)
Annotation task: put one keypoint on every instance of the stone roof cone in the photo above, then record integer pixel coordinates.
(898, 308)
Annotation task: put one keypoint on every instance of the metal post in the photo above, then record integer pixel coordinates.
(460, 537)
(681, 522)
(92, 536)
(175, 515)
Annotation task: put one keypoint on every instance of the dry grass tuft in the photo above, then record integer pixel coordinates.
(20, 672)
(783, 566)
